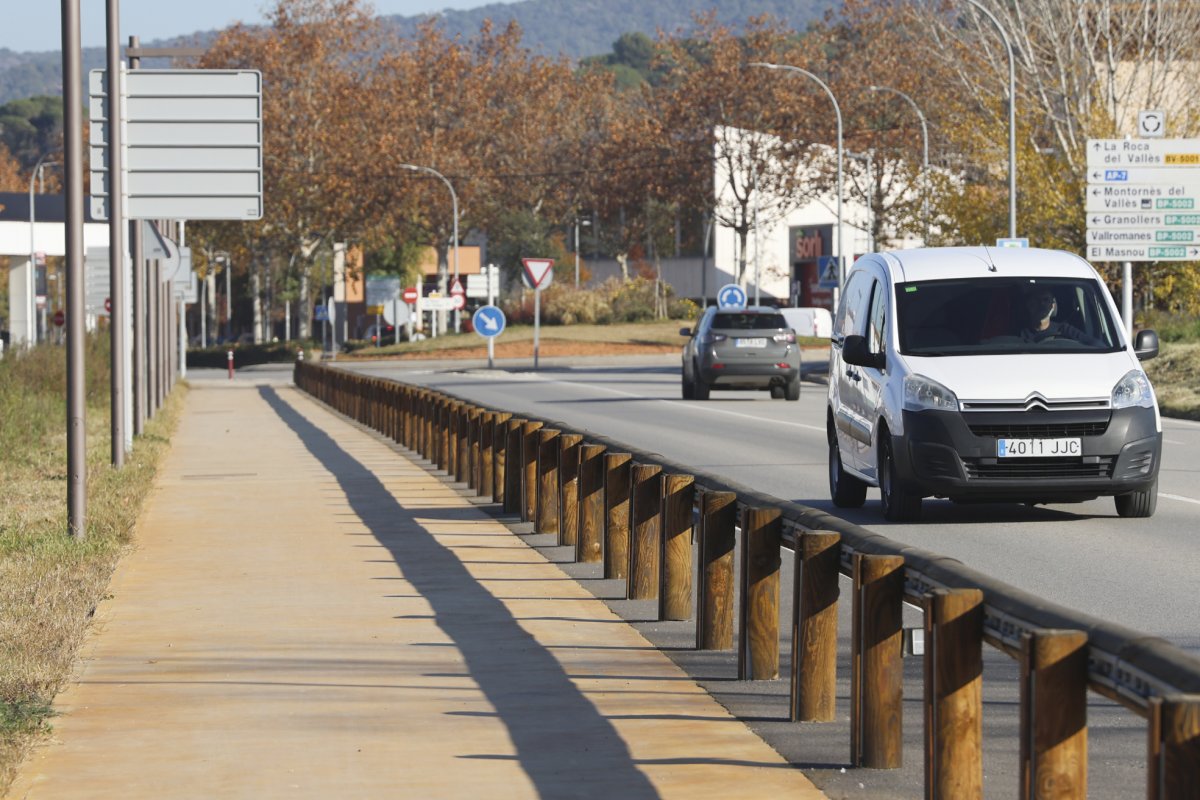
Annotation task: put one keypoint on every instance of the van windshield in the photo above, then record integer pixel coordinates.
(987, 316)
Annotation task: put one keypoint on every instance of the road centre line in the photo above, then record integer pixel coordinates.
(1180, 499)
(693, 405)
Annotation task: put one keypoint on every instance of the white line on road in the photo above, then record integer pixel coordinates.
(1180, 499)
(693, 405)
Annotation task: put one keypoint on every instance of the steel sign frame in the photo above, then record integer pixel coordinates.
(193, 144)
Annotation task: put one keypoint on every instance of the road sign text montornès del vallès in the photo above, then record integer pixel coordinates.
(1143, 199)
(193, 144)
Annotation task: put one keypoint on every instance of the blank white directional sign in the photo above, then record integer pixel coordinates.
(193, 144)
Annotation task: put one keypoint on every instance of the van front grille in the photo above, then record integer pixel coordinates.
(1040, 430)
(1038, 468)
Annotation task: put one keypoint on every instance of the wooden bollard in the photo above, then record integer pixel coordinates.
(953, 694)
(509, 468)
(432, 410)
(530, 441)
(1173, 765)
(462, 461)
(475, 449)
(568, 489)
(1054, 684)
(447, 411)
(546, 518)
(590, 547)
(457, 412)
(815, 627)
(499, 454)
(714, 616)
(675, 590)
(617, 469)
(483, 476)
(645, 546)
(876, 671)
(758, 633)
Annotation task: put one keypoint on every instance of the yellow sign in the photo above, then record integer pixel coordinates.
(374, 309)
(1182, 158)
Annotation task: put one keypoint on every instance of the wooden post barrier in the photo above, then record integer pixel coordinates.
(529, 479)
(714, 616)
(675, 577)
(1173, 765)
(453, 434)
(428, 415)
(447, 409)
(645, 546)
(758, 633)
(1054, 685)
(462, 463)
(474, 429)
(546, 518)
(876, 671)
(590, 547)
(499, 455)
(485, 463)
(617, 470)
(815, 595)
(953, 694)
(568, 489)
(510, 467)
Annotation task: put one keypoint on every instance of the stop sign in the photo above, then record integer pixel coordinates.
(410, 294)
(59, 318)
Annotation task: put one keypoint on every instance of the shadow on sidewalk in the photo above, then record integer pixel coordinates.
(565, 746)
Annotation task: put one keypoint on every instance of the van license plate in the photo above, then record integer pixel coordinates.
(1038, 448)
(750, 343)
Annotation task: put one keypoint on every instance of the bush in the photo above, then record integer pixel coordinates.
(1170, 327)
(245, 355)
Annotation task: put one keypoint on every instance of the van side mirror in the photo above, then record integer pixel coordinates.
(685, 331)
(854, 351)
(1145, 345)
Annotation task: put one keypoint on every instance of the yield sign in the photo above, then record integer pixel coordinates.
(456, 288)
(540, 271)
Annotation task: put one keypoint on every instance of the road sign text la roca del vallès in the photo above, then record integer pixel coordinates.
(1142, 199)
(539, 272)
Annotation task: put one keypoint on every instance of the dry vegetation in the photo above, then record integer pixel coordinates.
(1176, 378)
(49, 582)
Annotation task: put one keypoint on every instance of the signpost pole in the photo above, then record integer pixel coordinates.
(73, 185)
(537, 323)
(116, 239)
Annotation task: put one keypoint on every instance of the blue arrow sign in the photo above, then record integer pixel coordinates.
(731, 296)
(488, 321)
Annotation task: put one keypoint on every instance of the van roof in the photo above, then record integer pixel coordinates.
(939, 263)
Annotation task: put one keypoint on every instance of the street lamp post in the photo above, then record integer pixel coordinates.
(454, 204)
(1012, 119)
(31, 284)
(924, 152)
(578, 222)
(838, 113)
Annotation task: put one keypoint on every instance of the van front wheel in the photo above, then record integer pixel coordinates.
(846, 490)
(898, 505)
(1139, 504)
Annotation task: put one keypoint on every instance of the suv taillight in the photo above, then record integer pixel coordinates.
(788, 337)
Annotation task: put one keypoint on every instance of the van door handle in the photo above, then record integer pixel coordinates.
(852, 375)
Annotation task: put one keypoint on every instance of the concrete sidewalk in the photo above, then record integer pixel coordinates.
(311, 613)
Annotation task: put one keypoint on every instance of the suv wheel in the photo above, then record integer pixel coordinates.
(689, 386)
(1138, 504)
(846, 490)
(700, 386)
(792, 390)
(776, 392)
(898, 505)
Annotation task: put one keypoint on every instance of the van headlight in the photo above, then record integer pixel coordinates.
(923, 394)
(1133, 390)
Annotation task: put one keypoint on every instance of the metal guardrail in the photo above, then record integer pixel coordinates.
(1063, 652)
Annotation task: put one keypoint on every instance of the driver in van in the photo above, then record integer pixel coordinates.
(1040, 308)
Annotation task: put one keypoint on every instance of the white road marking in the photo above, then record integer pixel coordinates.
(1180, 499)
(698, 407)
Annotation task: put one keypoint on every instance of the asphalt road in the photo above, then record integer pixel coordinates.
(1140, 573)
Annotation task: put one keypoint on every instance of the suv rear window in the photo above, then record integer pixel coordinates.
(748, 322)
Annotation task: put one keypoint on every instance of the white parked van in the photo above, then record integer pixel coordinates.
(981, 374)
(809, 321)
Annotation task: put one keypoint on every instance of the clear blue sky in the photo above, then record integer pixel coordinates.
(34, 25)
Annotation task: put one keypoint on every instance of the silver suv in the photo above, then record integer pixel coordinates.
(746, 348)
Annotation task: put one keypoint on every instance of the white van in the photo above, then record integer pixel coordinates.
(981, 374)
(809, 321)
